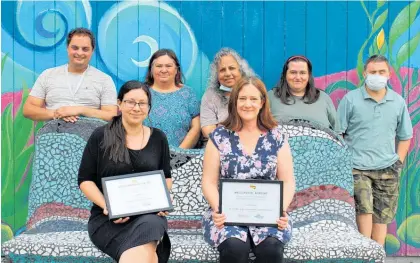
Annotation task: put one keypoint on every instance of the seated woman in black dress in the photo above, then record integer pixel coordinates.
(126, 146)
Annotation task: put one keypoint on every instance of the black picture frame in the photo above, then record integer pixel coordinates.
(111, 215)
(253, 181)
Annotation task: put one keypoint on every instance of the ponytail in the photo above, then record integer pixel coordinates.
(114, 143)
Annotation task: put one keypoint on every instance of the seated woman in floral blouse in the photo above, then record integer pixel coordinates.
(175, 107)
(247, 145)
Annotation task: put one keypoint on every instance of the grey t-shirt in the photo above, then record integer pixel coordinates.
(74, 80)
(96, 89)
(322, 111)
(214, 108)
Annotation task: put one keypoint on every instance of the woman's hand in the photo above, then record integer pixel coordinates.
(119, 220)
(282, 221)
(166, 213)
(218, 219)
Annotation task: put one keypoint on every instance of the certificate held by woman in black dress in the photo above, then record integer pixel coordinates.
(136, 194)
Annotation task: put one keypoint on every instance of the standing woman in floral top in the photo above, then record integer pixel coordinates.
(248, 145)
(175, 107)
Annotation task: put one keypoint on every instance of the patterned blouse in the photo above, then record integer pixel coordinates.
(172, 113)
(236, 164)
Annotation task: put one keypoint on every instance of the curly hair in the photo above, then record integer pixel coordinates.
(244, 68)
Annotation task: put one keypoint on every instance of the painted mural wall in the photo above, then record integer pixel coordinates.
(336, 36)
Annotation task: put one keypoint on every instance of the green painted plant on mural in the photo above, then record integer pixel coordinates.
(377, 43)
(408, 215)
(16, 165)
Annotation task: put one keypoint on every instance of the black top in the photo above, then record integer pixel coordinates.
(96, 164)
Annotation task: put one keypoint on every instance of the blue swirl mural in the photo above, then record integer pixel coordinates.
(158, 26)
(43, 26)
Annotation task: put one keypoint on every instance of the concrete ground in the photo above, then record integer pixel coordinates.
(388, 260)
(402, 260)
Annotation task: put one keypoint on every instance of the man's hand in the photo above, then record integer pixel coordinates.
(68, 113)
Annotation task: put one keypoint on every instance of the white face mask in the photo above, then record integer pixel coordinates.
(224, 88)
(376, 82)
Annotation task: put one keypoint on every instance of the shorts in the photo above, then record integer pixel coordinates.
(376, 192)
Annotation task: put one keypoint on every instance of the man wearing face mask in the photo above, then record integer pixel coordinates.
(371, 119)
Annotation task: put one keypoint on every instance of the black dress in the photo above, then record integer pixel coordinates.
(111, 238)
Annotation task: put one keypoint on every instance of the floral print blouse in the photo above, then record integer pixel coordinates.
(236, 164)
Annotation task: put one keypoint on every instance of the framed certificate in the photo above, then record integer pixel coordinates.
(136, 194)
(251, 202)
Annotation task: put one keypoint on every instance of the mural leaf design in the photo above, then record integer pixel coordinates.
(408, 232)
(384, 49)
(342, 84)
(371, 51)
(380, 20)
(407, 50)
(6, 232)
(407, 203)
(7, 182)
(403, 21)
(26, 126)
(380, 39)
(415, 118)
(3, 61)
(392, 244)
(414, 78)
(380, 3)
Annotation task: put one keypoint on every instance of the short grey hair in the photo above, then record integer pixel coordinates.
(244, 68)
(376, 58)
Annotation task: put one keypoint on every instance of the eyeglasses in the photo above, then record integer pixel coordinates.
(131, 104)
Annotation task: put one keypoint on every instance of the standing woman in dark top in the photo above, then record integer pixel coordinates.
(126, 146)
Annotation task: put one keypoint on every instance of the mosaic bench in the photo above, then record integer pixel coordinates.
(323, 207)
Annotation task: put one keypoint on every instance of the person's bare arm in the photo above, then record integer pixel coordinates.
(285, 174)
(105, 112)
(402, 149)
(169, 183)
(211, 167)
(193, 134)
(93, 193)
(34, 109)
(206, 130)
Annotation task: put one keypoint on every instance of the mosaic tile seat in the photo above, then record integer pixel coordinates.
(323, 207)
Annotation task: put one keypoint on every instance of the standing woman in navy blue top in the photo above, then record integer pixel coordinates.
(126, 146)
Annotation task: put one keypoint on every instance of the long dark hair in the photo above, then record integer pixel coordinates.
(162, 52)
(265, 120)
(282, 89)
(114, 143)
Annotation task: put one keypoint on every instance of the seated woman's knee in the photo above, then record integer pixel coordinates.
(234, 246)
(270, 248)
